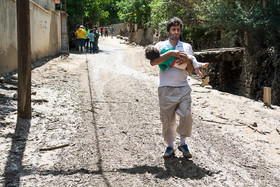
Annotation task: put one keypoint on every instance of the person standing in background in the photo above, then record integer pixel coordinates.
(106, 31)
(96, 37)
(81, 36)
(91, 41)
(101, 31)
(112, 29)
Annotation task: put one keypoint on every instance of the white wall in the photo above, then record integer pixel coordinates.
(45, 26)
(8, 36)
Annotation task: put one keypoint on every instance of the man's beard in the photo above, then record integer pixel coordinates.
(173, 37)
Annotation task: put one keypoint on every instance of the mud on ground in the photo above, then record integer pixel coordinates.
(102, 109)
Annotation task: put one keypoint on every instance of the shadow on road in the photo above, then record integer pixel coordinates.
(174, 167)
(13, 166)
(6, 99)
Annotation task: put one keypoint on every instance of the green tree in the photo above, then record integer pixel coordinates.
(255, 25)
(134, 11)
(92, 11)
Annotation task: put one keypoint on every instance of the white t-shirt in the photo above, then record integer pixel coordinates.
(173, 76)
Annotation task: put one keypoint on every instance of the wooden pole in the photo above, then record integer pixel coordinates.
(24, 59)
(267, 95)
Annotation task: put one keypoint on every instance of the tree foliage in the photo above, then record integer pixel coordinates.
(206, 21)
(134, 11)
(99, 12)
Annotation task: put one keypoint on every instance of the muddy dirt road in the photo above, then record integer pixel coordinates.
(103, 110)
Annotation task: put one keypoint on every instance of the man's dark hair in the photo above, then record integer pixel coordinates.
(173, 22)
(151, 52)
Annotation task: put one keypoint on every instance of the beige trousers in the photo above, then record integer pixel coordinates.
(174, 100)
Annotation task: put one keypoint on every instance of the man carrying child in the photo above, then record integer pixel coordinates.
(174, 90)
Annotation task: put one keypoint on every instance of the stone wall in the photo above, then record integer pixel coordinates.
(231, 70)
(226, 69)
(142, 36)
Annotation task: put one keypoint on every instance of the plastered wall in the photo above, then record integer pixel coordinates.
(8, 36)
(45, 25)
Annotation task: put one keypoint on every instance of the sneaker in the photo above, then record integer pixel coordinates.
(185, 150)
(169, 152)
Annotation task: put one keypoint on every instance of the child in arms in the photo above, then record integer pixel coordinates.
(152, 52)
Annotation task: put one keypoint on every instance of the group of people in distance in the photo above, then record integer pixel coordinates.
(106, 31)
(88, 38)
(175, 60)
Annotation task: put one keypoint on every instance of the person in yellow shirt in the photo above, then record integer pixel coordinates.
(81, 36)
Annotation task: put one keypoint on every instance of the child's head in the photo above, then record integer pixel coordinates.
(151, 52)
